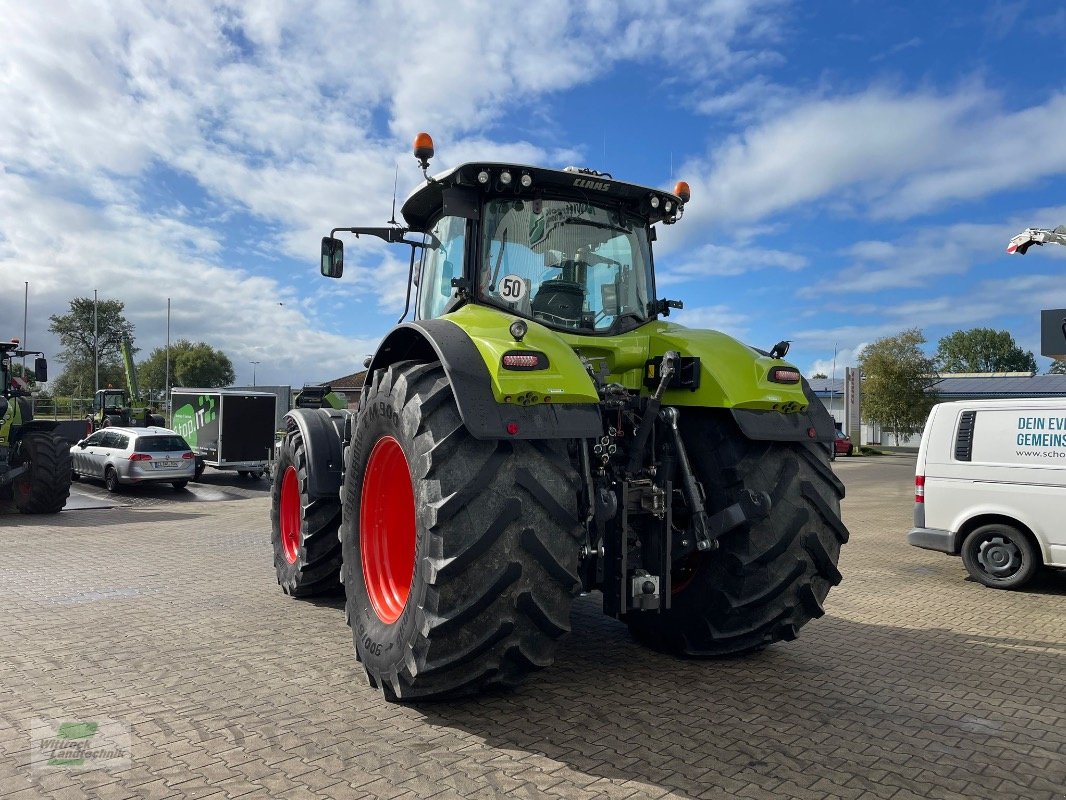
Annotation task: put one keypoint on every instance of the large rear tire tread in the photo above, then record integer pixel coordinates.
(497, 541)
(766, 580)
(45, 489)
(318, 560)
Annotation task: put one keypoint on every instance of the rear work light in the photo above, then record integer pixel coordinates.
(524, 360)
(919, 488)
(140, 457)
(784, 375)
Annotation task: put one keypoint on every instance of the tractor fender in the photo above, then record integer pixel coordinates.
(444, 341)
(322, 430)
(773, 426)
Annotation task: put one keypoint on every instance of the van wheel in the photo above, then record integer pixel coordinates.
(1000, 556)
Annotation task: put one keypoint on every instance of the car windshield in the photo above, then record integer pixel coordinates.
(566, 263)
(162, 444)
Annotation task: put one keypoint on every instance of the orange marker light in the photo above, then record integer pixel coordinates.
(424, 148)
(682, 191)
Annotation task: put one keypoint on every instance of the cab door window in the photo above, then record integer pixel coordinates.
(442, 260)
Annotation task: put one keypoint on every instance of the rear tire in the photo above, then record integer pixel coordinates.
(179, 485)
(307, 552)
(768, 579)
(460, 555)
(46, 487)
(1000, 556)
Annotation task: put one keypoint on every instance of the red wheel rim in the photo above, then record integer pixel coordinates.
(289, 516)
(387, 529)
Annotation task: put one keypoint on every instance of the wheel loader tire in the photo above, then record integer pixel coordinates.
(460, 555)
(307, 552)
(44, 489)
(157, 420)
(768, 579)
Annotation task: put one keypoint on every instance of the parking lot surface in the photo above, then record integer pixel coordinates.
(163, 616)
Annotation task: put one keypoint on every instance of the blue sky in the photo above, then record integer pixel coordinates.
(856, 168)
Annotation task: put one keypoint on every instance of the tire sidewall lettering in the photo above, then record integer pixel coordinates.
(380, 645)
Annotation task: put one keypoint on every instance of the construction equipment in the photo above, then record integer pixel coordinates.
(541, 429)
(122, 408)
(1038, 236)
(34, 454)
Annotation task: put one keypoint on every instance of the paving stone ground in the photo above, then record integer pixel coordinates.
(166, 618)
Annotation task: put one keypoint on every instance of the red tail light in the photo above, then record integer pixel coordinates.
(186, 455)
(919, 488)
(140, 457)
(524, 360)
(784, 375)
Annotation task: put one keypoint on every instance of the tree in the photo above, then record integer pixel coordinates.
(983, 350)
(819, 375)
(191, 364)
(75, 330)
(898, 376)
(1058, 367)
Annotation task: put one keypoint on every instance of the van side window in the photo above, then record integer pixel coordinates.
(964, 438)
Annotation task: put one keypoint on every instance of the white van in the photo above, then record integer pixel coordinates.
(990, 486)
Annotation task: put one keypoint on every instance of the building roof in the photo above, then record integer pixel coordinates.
(952, 386)
(971, 385)
(353, 381)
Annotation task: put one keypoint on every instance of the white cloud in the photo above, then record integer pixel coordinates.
(712, 260)
(834, 365)
(882, 154)
(284, 120)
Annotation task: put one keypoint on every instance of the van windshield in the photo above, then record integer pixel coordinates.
(566, 263)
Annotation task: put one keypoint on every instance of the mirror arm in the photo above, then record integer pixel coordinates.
(390, 235)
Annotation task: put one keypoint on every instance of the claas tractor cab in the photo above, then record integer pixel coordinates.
(539, 428)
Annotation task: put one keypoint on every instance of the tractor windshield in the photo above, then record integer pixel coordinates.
(566, 263)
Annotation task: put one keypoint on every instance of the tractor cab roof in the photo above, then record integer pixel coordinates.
(459, 191)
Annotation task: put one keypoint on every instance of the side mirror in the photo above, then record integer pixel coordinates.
(332, 257)
(609, 299)
(40, 369)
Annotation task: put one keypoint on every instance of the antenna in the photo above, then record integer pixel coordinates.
(395, 180)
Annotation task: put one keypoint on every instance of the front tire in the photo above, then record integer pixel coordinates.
(307, 553)
(44, 489)
(460, 555)
(1000, 556)
(768, 579)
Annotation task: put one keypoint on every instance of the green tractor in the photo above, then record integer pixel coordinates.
(319, 397)
(540, 429)
(35, 464)
(113, 407)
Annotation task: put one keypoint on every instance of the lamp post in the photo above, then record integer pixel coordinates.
(254, 364)
(166, 379)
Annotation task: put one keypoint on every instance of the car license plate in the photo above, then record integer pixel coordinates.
(167, 464)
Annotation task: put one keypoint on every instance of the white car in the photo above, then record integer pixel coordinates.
(990, 485)
(119, 456)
